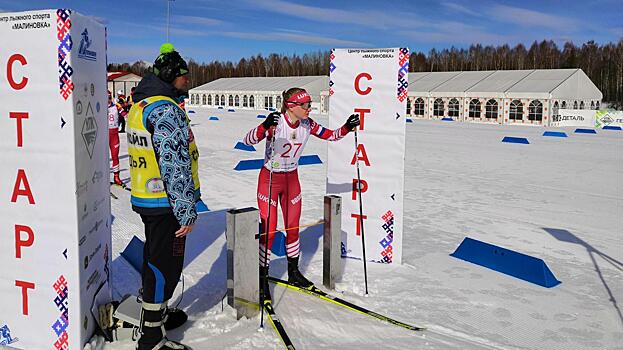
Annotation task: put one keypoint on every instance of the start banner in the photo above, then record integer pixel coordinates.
(372, 83)
(55, 210)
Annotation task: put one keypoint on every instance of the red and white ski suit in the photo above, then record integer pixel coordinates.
(289, 142)
(114, 111)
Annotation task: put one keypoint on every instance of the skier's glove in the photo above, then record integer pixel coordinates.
(271, 120)
(352, 122)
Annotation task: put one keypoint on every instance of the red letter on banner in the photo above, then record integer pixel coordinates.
(25, 286)
(18, 116)
(9, 72)
(364, 156)
(357, 79)
(364, 187)
(362, 115)
(17, 189)
(357, 216)
(19, 243)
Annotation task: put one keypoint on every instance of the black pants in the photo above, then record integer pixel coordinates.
(163, 257)
(122, 123)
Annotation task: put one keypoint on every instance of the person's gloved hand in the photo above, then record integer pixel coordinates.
(352, 122)
(271, 120)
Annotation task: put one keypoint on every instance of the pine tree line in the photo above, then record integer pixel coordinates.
(602, 63)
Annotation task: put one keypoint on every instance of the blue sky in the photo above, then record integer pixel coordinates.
(207, 30)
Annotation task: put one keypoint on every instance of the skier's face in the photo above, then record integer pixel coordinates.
(301, 111)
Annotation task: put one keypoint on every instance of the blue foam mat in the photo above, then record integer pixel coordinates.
(521, 140)
(214, 118)
(261, 116)
(231, 110)
(585, 131)
(256, 164)
(506, 261)
(133, 253)
(555, 134)
(191, 111)
(241, 146)
(409, 120)
(612, 127)
(447, 119)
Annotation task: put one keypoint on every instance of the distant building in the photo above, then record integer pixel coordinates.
(258, 93)
(502, 97)
(123, 81)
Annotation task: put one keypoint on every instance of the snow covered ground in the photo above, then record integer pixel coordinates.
(557, 199)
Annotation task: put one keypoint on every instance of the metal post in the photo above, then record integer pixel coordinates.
(332, 240)
(242, 261)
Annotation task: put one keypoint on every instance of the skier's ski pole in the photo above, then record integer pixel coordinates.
(363, 237)
(270, 192)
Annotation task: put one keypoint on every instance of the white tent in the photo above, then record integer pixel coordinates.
(503, 96)
(257, 93)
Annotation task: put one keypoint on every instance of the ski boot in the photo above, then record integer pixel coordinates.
(117, 180)
(174, 318)
(152, 330)
(264, 287)
(294, 275)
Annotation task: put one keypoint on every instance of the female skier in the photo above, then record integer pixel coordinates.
(287, 133)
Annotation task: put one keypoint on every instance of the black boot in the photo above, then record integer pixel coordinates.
(152, 332)
(294, 275)
(174, 318)
(264, 287)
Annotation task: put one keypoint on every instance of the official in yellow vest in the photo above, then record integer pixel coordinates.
(165, 189)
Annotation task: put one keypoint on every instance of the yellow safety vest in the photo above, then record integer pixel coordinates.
(147, 186)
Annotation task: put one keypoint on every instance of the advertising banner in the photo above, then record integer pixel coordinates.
(55, 191)
(372, 83)
(608, 118)
(574, 117)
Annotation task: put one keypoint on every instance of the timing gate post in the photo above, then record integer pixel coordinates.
(243, 261)
(332, 239)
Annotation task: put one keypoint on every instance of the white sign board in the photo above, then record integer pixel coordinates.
(373, 83)
(55, 209)
(574, 117)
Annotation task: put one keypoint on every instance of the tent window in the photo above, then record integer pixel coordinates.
(491, 109)
(205, 99)
(252, 101)
(564, 105)
(408, 106)
(438, 107)
(222, 100)
(231, 100)
(592, 104)
(535, 110)
(278, 102)
(555, 109)
(575, 105)
(516, 110)
(597, 105)
(474, 108)
(453, 108)
(582, 105)
(245, 101)
(419, 107)
(210, 100)
(237, 101)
